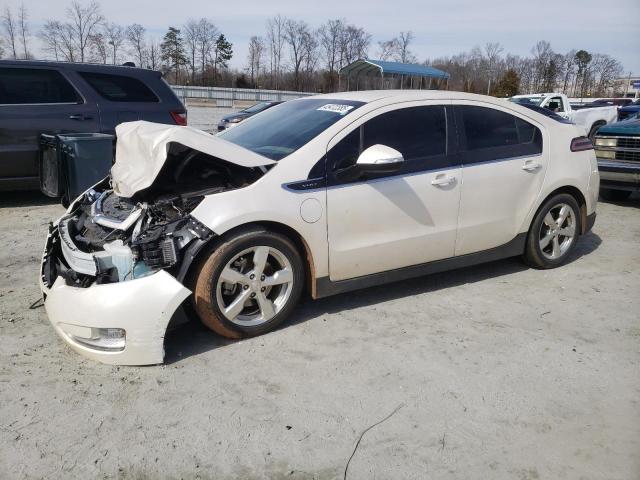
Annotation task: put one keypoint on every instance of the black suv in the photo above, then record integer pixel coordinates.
(56, 97)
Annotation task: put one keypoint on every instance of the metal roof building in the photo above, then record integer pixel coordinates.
(381, 74)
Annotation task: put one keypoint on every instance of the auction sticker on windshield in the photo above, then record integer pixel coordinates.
(336, 108)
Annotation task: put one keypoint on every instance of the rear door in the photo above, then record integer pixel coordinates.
(504, 165)
(35, 100)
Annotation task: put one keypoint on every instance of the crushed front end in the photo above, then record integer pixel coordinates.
(112, 271)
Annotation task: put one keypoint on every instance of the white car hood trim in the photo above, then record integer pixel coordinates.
(141, 150)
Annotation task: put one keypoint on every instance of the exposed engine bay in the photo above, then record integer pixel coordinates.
(106, 238)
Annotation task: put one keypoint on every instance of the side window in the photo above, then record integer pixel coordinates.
(416, 132)
(419, 133)
(555, 104)
(491, 134)
(119, 88)
(35, 86)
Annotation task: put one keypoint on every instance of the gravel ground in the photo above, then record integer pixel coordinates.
(206, 118)
(490, 372)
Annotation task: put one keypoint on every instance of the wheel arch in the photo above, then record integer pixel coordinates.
(286, 230)
(575, 193)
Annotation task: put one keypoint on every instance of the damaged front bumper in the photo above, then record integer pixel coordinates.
(121, 323)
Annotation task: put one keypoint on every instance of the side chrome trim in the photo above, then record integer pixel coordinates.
(325, 287)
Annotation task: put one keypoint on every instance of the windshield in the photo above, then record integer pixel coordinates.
(258, 107)
(281, 130)
(546, 112)
(527, 100)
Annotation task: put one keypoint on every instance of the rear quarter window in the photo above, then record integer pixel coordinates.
(119, 88)
(489, 134)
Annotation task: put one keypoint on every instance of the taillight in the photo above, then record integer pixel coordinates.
(180, 117)
(580, 144)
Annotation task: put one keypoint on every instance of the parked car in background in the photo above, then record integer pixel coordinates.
(233, 119)
(629, 111)
(618, 150)
(329, 193)
(618, 102)
(55, 97)
(591, 118)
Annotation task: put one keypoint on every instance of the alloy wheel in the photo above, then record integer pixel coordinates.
(557, 231)
(254, 286)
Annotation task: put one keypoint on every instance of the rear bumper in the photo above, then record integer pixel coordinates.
(141, 307)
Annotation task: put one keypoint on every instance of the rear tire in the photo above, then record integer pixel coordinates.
(614, 195)
(249, 284)
(553, 233)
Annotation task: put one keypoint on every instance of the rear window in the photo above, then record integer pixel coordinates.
(35, 86)
(119, 88)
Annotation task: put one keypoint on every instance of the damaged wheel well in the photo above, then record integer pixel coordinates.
(203, 253)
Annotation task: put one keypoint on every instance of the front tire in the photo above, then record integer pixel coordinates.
(250, 284)
(553, 233)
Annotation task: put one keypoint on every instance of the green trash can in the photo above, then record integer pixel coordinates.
(72, 162)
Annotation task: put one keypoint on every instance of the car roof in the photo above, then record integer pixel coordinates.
(98, 67)
(368, 96)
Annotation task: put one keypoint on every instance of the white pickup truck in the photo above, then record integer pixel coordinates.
(591, 118)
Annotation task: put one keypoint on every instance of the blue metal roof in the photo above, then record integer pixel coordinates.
(379, 66)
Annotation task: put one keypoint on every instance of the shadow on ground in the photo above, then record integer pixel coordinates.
(25, 199)
(193, 338)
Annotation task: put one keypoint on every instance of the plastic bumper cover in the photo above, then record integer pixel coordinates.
(141, 307)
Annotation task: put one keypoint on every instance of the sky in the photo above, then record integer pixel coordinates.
(440, 28)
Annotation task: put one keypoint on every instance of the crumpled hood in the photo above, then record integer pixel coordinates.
(142, 148)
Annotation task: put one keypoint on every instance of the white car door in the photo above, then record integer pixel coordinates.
(504, 164)
(390, 221)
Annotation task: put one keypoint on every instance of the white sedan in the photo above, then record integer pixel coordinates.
(324, 194)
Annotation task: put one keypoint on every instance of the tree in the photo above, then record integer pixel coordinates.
(255, 56)
(492, 51)
(10, 31)
(222, 53)
(155, 56)
(83, 23)
(135, 35)
(191, 45)
(23, 28)
(207, 34)
(296, 33)
(173, 54)
(99, 47)
(276, 40)
(58, 41)
(329, 36)
(354, 44)
(508, 85)
(583, 58)
(115, 37)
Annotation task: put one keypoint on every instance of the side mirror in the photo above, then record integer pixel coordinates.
(379, 159)
(375, 160)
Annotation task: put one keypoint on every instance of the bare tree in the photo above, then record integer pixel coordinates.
(1, 47)
(405, 55)
(329, 36)
(206, 39)
(135, 35)
(191, 34)
(354, 44)
(255, 56)
(10, 30)
(492, 51)
(155, 56)
(276, 39)
(99, 47)
(115, 36)
(296, 33)
(23, 28)
(83, 23)
(387, 49)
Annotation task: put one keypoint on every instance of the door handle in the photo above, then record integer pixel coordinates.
(443, 180)
(79, 116)
(531, 166)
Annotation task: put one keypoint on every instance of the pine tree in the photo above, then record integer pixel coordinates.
(173, 53)
(223, 52)
(508, 85)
